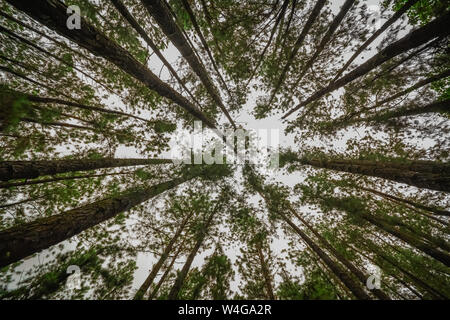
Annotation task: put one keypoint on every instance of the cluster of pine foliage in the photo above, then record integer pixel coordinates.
(366, 105)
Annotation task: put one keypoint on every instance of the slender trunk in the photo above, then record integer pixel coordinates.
(422, 174)
(31, 44)
(408, 238)
(136, 26)
(353, 286)
(260, 58)
(434, 29)
(417, 281)
(21, 241)
(266, 273)
(40, 99)
(7, 205)
(158, 10)
(53, 15)
(358, 273)
(32, 169)
(173, 295)
(28, 183)
(149, 280)
(377, 33)
(434, 107)
(326, 38)
(166, 273)
(433, 210)
(204, 43)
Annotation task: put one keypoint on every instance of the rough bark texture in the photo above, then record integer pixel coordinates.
(434, 29)
(53, 15)
(26, 239)
(158, 10)
(33, 169)
(377, 33)
(419, 173)
(149, 280)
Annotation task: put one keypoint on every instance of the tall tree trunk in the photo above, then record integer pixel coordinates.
(32, 169)
(159, 11)
(416, 280)
(377, 33)
(149, 280)
(326, 38)
(298, 43)
(166, 273)
(434, 29)
(173, 294)
(358, 273)
(33, 182)
(272, 33)
(204, 43)
(21, 241)
(434, 107)
(136, 26)
(419, 173)
(433, 210)
(53, 15)
(353, 286)
(266, 273)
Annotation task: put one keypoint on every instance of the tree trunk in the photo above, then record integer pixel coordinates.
(173, 295)
(419, 173)
(354, 287)
(377, 33)
(434, 29)
(53, 15)
(266, 273)
(166, 272)
(87, 176)
(326, 38)
(32, 169)
(358, 273)
(21, 241)
(298, 43)
(204, 43)
(149, 280)
(158, 10)
(136, 26)
(433, 210)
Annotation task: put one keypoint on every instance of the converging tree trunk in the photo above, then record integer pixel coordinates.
(21, 241)
(32, 169)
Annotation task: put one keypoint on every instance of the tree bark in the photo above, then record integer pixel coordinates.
(158, 10)
(266, 273)
(326, 38)
(32, 169)
(21, 241)
(433, 210)
(434, 29)
(173, 294)
(149, 280)
(298, 43)
(358, 273)
(419, 173)
(377, 33)
(53, 15)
